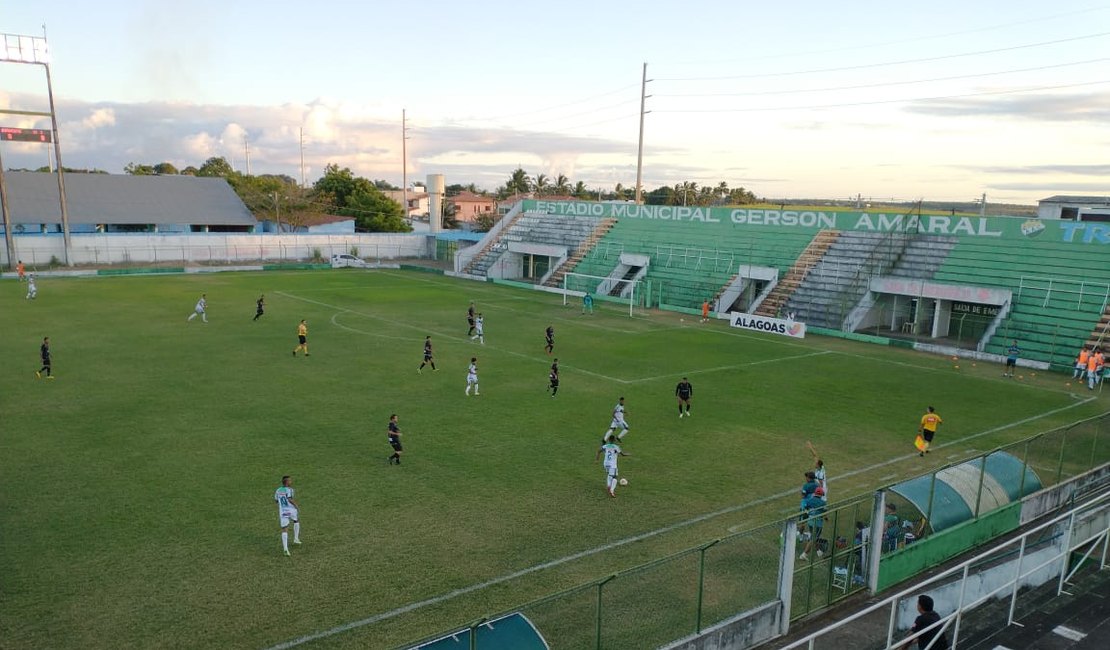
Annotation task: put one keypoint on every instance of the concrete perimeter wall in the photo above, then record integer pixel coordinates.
(119, 248)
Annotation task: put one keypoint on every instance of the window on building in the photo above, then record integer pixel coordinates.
(1069, 213)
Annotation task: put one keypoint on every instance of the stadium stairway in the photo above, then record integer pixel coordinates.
(493, 249)
(600, 230)
(841, 278)
(1101, 330)
(773, 303)
(686, 274)
(923, 256)
(566, 231)
(1084, 610)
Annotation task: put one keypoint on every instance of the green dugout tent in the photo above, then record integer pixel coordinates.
(512, 632)
(950, 498)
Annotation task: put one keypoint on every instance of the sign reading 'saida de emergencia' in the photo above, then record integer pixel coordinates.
(690, 216)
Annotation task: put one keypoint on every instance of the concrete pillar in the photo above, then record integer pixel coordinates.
(435, 202)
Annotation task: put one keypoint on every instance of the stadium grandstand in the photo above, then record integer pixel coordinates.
(965, 285)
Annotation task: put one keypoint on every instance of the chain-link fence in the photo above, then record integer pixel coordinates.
(832, 555)
(40, 252)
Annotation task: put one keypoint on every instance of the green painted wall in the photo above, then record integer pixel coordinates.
(935, 549)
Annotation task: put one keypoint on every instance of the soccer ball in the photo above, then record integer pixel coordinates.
(623, 481)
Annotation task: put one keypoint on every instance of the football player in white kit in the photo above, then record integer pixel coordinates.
(479, 333)
(287, 511)
(472, 376)
(201, 308)
(32, 292)
(612, 451)
(618, 422)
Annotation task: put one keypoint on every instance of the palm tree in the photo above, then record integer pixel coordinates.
(518, 182)
(722, 190)
(580, 191)
(562, 185)
(541, 185)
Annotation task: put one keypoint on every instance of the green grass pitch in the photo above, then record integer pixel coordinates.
(136, 490)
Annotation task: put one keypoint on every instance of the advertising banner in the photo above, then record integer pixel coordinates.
(788, 327)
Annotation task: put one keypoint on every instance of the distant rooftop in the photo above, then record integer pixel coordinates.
(125, 199)
(1069, 198)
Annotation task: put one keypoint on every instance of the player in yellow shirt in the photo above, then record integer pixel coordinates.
(928, 428)
(302, 337)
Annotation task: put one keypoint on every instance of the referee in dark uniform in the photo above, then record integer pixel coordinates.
(684, 391)
(395, 440)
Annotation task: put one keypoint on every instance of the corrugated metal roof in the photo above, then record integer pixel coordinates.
(1071, 198)
(956, 488)
(125, 199)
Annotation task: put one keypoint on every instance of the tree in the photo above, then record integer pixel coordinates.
(166, 168)
(385, 185)
(454, 189)
(518, 182)
(374, 211)
(138, 169)
(449, 215)
(216, 166)
(541, 185)
(581, 191)
(189, 171)
(660, 196)
(562, 185)
(483, 221)
(341, 184)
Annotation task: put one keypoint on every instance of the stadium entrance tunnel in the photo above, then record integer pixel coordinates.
(512, 632)
(956, 494)
(632, 267)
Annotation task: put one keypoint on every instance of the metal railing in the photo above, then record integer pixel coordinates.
(1095, 293)
(686, 592)
(1084, 528)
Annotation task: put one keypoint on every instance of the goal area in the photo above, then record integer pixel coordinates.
(622, 291)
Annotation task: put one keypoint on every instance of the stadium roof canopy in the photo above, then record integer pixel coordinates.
(957, 488)
(1068, 198)
(125, 199)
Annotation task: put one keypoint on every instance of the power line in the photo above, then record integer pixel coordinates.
(870, 45)
(889, 83)
(557, 106)
(890, 63)
(882, 101)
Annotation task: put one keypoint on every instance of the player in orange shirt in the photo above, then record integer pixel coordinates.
(1081, 363)
(21, 270)
(705, 311)
(928, 428)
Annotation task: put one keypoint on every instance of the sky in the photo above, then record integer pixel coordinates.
(941, 101)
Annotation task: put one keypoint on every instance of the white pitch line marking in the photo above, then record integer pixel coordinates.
(335, 321)
(1068, 633)
(315, 636)
(736, 366)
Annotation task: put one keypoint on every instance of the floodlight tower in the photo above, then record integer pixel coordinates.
(33, 50)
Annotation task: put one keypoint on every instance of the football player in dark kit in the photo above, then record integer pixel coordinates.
(549, 336)
(470, 319)
(44, 351)
(394, 440)
(261, 307)
(554, 377)
(428, 358)
(684, 391)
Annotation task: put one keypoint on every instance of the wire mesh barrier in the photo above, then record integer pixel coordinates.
(669, 598)
(833, 554)
(101, 250)
(1003, 583)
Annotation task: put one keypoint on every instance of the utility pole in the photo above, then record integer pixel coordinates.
(302, 157)
(404, 166)
(8, 242)
(983, 205)
(640, 148)
(247, 154)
